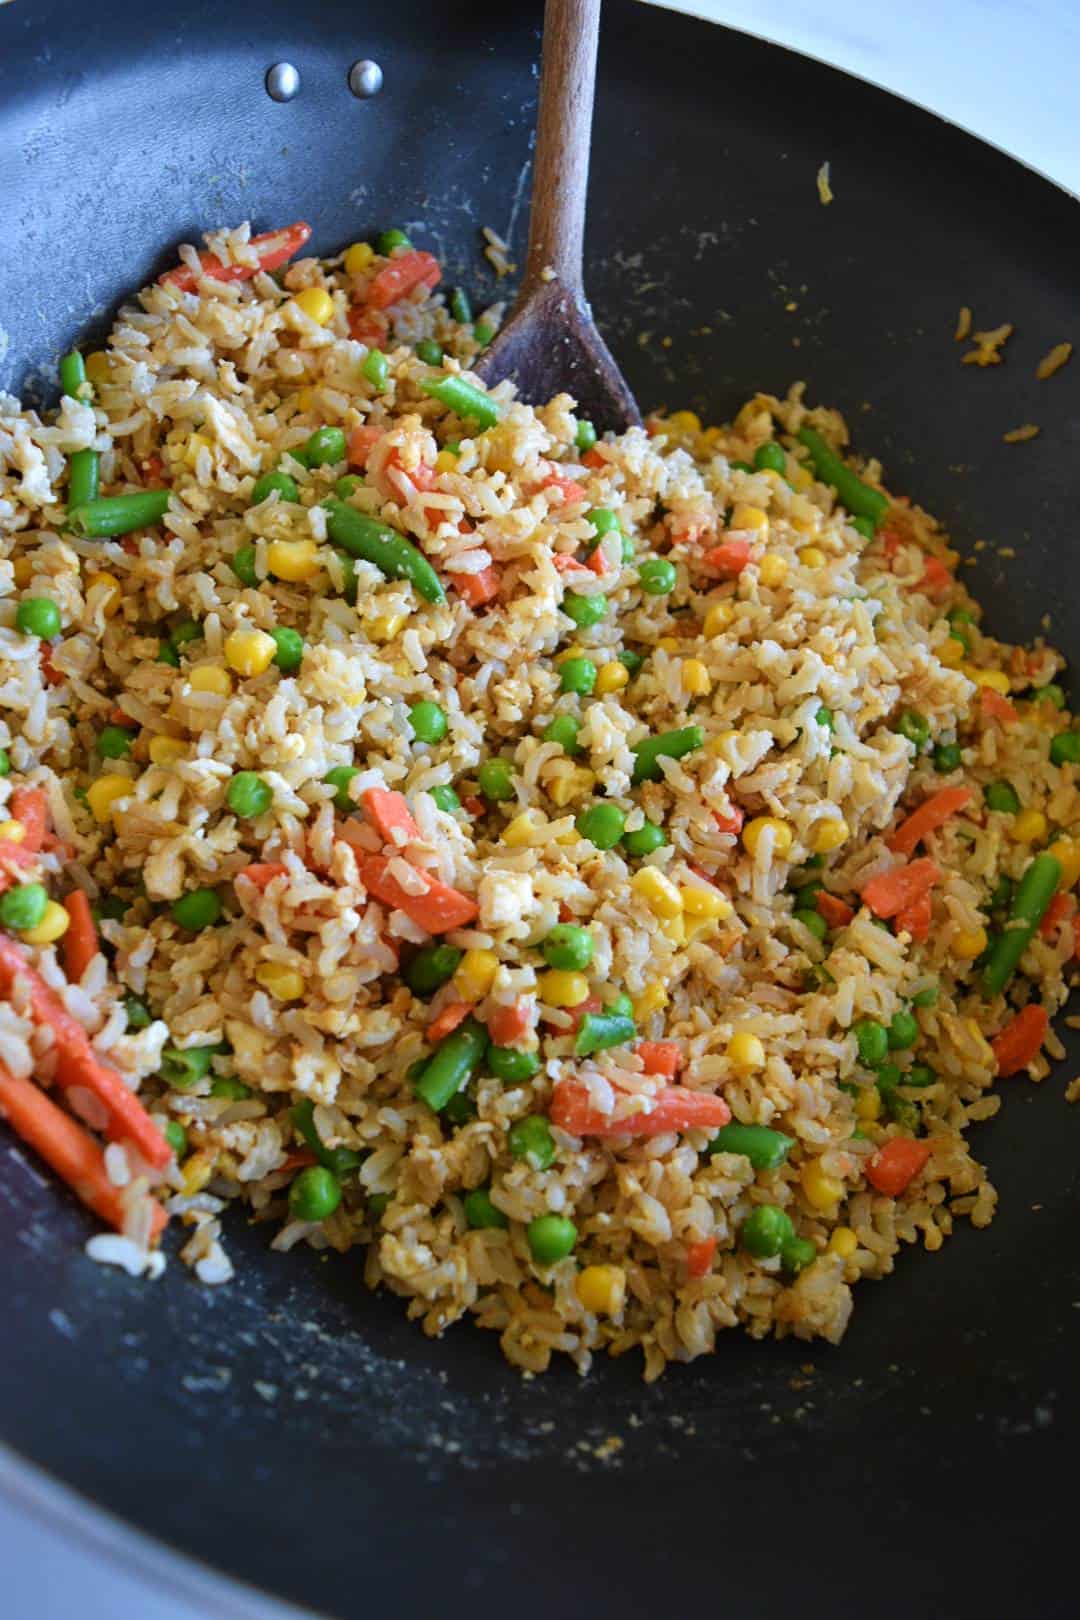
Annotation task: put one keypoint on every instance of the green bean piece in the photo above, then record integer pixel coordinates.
(668, 745)
(914, 726)
(463, 399)
(84, 478)
(227, 1085)
(483, 332)
(859, 498)
(460, 1110)
(453, 1065)
(181, 1070)
(73, 376)
(1033, 894)
(599, 1031)
(431, 967)
(243, 565)
(341, 1159)
(511, 1064)
(460, 306)
(5, 762)
(863, 526)
(112, 515)
(765, 1149)
(364, 537)
(176, 1136)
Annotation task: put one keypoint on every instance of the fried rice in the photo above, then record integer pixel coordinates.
(838, 676)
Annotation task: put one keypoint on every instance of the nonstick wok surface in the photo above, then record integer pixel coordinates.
(291, 1428)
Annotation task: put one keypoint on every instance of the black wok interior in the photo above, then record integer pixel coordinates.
(292, 1429)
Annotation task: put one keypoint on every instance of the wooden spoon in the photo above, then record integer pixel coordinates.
(549, 345)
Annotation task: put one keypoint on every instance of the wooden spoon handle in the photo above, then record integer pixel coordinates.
(563, 130)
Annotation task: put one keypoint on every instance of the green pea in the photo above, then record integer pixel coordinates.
(765, 1149)
(114, 742)
(495, 778)
(568, 947)
(460, 306)
(577, 675)
(430, 352)
(325, 447)
(339, 779)
(38, 616)
(483, 332)
(602, 519)
(138, 1013)
(873, 1042)
(243, 566)
(584, 610)
(377, 1205)
(315, 1193)
(903, 1111)
(267, 485)
(644, 839)
(585, 437)
(387, 241)
(110, 906)
(920, 1075)
(914, 726)
(347, 486)
(796, 1254)
(888, 1077)
(227, 1085)
(903, 1031)
(199, 908)
(927, 997)
(531, 1139)
(176, 1136)
(1003, 797)
(1051, 693)
(657, 576)
(960, 616)
(742, 466)
(602, 824)
(551, 1238)
(297, 453)
(376, 370)
(564, 731)
(1065, 748)
(290, 648)
(23, 907)
(632, 660)
(813, 920)
(512, 1065)
(824, 717)
(428, 722)
(431, 967)
(445, 798)
(248, 795)
(947, 758)
(480, 1211)
(186, 631)
(460, 1110)
(765, 1231)
(5, 762)
(770, 456)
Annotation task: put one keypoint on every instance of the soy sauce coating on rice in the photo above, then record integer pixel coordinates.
(574, 871)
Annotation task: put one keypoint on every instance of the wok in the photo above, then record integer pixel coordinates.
(292, 1429)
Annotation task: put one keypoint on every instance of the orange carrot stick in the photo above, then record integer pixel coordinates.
(262, 873)
(398, 278)
(362, 440)
(896, 1165)
(76, 1063)
(81, 940)
(916, 918)
(699, 1257)
(30, 807)
(675, 1108)
(660, 1057)
(996, 707)
(1019, 1043)
(836, 912)
(445, 1023)
(439, 909)
(509, 1024)
(729, 558)
(477, 589)
(389, 813)
(931, 814)
(67, 1148)
(894, 891)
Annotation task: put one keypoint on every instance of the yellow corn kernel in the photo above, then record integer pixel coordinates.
(673, 929)
(22, 570)
(305, 399)
(822, 1190)
(559, 989)
(316, 304)
(476, 974)
(572, 652)
(103, 794)
(745, 1051)
(657, 890)
(12, 832)
(754, 830)
(1067, 851)
(570, 785)
(1029, 827)
(719, 617)
(198, 1168)
(99, 366)
(387, 626)
(53, 925)
(611, 678)
(842, 1241)
(195, 443)
(283, 983)
(445, 461)
(211, 678)
(968, 943)
(812, 557)
(521, 832)
(695, 678)
(166, 750)
(829, 835)
(111, 591)
(951, 652)
(669, 644)
(995, 679)
(685, 421)
(773, 570)
(802, 479)
(868, 1103)
(602, 1289)
(748, 517)
(806, 522)
(249, 652)
(292, 560)
(654, 998)
(358, 258)
(701, 902)
(773, 476)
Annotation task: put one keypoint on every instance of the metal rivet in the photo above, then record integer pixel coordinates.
(282, 81)
(365, 79)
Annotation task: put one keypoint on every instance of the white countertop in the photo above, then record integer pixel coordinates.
(1004, 69)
